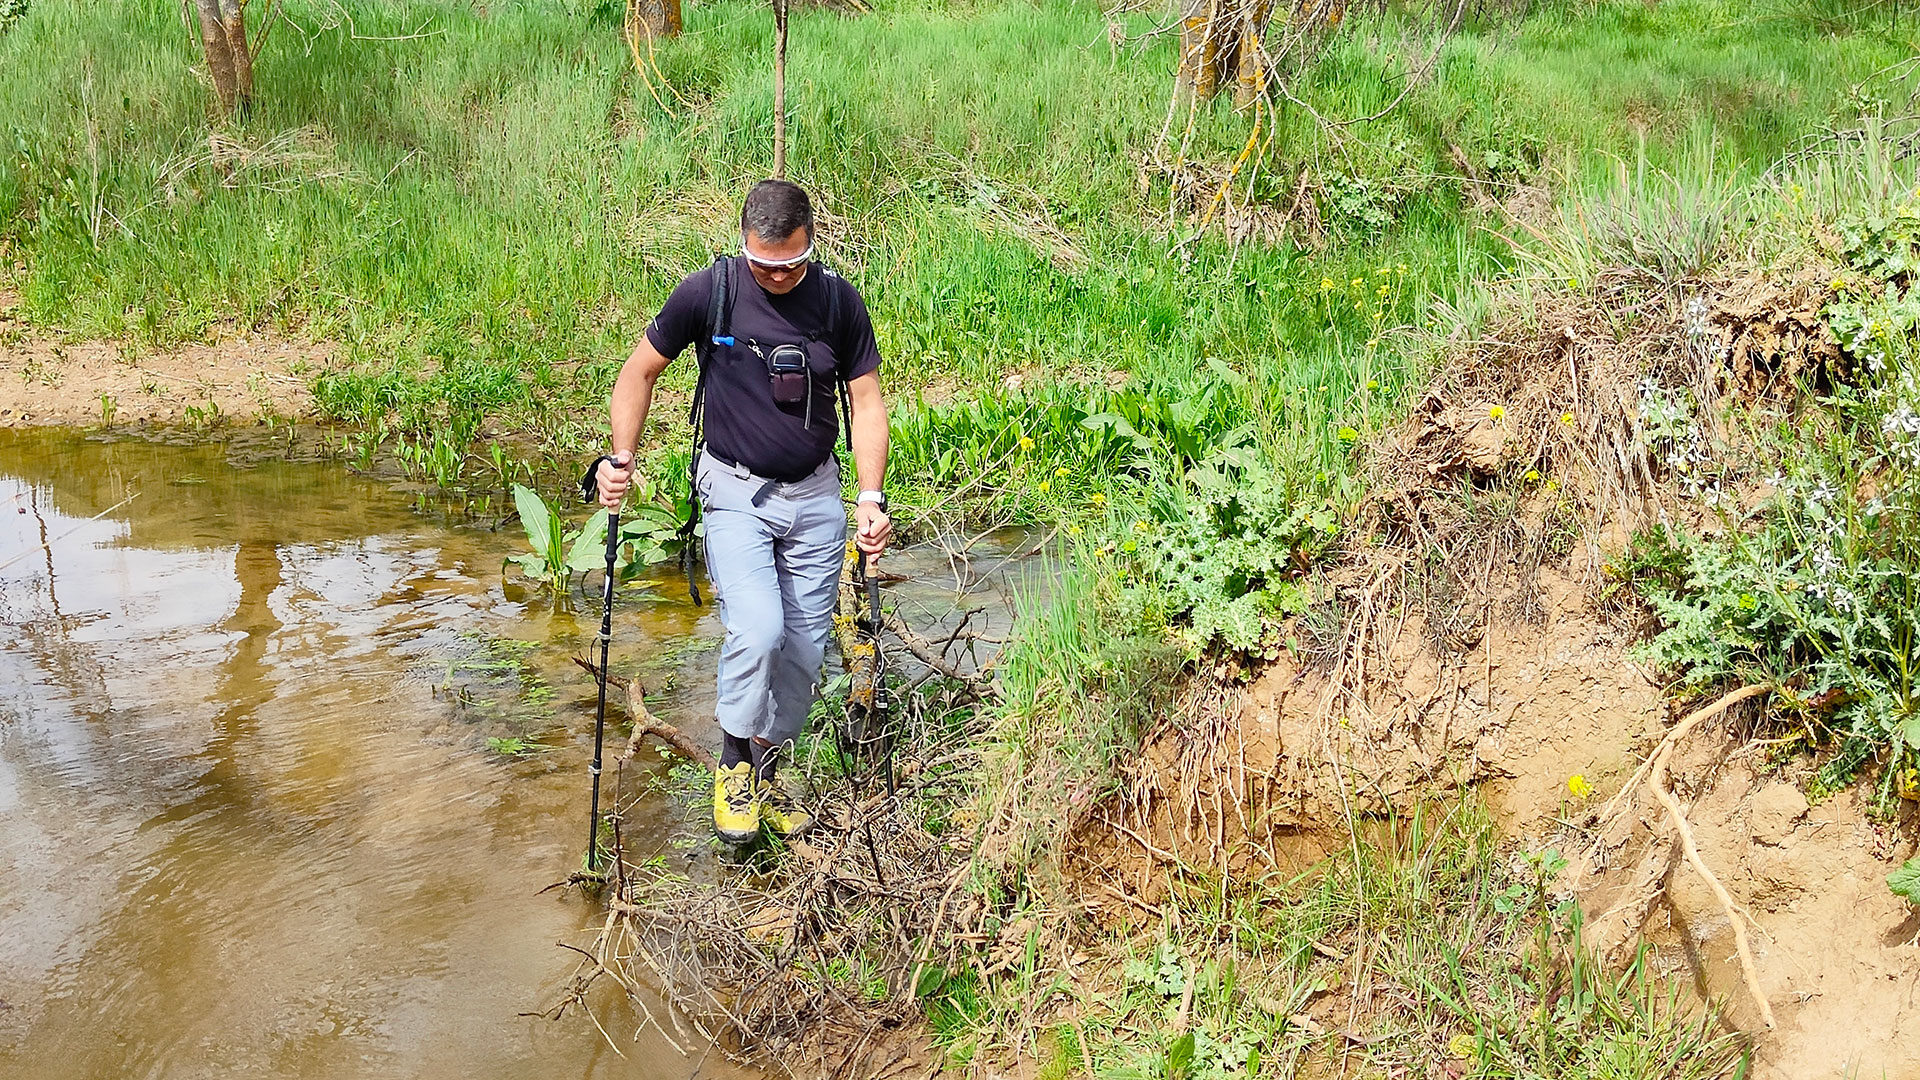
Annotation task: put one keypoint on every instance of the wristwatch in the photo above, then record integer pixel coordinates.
(879, 497)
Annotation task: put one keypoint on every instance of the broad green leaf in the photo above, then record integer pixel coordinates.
(931, 979)
(1906, 880)
(533, 566)
(535, 518)
(1180, 1057)
(589, 551)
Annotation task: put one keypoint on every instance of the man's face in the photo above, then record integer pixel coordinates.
(787, 256)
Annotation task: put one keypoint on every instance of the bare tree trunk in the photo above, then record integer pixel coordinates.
(213, 42)
(655, 18)
(1220, 46)
(223, 39)
(233, 15)
(779, 89)
(1251, 80)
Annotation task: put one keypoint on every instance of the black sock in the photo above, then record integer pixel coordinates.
(734, 750)
(765, 759)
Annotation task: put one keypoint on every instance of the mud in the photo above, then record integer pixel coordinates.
(1517, 719)
(244, 378)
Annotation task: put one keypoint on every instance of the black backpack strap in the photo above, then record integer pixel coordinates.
(832, 328)
(719, 332)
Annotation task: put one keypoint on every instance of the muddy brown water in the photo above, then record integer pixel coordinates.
(251, 823)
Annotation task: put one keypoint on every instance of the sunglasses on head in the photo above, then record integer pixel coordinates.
(776, 264)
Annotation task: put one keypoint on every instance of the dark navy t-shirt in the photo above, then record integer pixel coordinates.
(743, 422)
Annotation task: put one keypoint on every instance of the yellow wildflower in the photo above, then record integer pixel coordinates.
(1026, 443)
(1579, 786)
(1567, 418)
(1532, 476)
(1839, 284)
(1357, 282)
(1347, 434)
(1046, 486)
(1461, 1045)
(1373, 384)
(1497, 413)
(1326, 283)
(1099, 498)
(1061, 471)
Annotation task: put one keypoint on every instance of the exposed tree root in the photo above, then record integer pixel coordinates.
(1655, 771)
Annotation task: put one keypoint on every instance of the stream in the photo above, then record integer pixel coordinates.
(258, 810)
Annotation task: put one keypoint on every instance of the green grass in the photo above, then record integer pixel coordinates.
(482, 204)
(485, 215)
(1423, 944)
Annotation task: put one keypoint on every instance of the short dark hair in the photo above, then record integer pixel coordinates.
(774, 209)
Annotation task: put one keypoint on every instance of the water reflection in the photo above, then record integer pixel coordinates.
(249, 825)
(240, 833)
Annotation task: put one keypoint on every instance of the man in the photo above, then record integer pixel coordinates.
(767, 478)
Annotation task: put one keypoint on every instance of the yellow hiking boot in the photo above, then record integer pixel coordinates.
(736, 810)
(781, 813)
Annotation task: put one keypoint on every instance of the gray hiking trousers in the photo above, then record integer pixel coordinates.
(775, 567)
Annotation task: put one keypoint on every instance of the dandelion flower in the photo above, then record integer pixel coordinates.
(1073, 530)
(1326, 283)
(1347, 434)
(1497, 413)
(1373, 384)
(1099, 498)
(1531, 476)
(1577, 784)
(1573, 283)
(1046, 486)
(1839, 284)
(1061, 471)
(1566, 418)
(1026, 443)
(1357, 282)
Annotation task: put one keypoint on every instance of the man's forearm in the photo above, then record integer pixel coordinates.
(632, 397)
(870, 447)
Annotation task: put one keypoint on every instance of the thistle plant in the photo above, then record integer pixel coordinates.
(1819, 593)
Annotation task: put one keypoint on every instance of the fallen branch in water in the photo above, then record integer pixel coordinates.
(645, 723)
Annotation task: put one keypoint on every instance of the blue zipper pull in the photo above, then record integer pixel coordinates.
(727, 341)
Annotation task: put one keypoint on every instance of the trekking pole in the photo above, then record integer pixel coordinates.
(600, 716)
(872, 582)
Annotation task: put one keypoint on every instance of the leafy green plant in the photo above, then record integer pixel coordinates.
(648, 533)
(515, 746)
(1820, 593)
